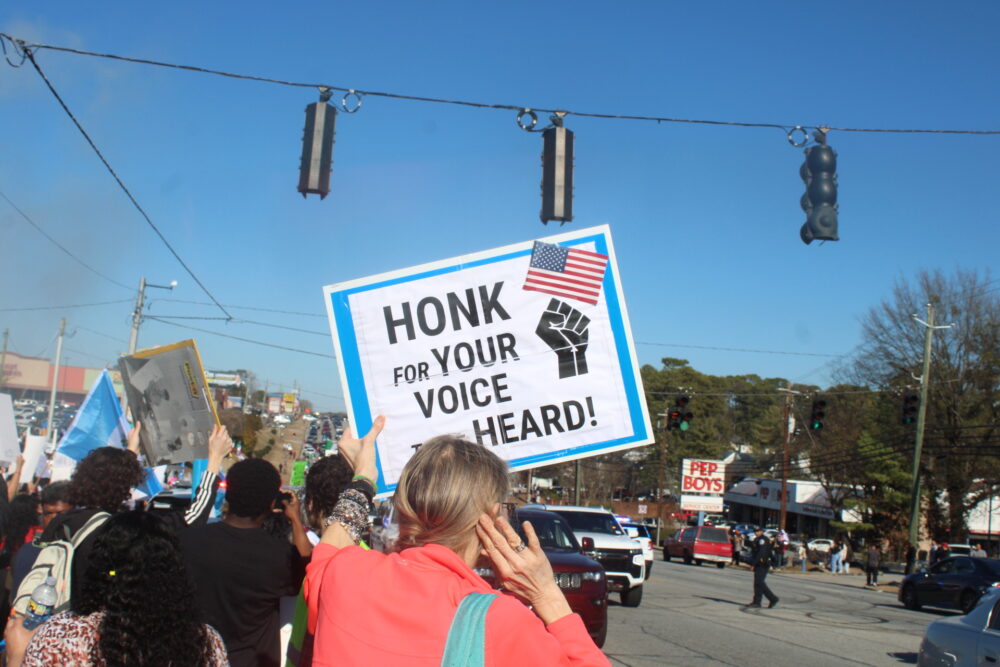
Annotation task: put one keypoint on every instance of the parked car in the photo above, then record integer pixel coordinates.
(820, 545)
(640, 533)
(699, 544)
(580, 577)
(604, 540)
(957, 583)
(964, 641)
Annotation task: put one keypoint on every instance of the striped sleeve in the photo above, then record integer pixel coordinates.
(204, 499)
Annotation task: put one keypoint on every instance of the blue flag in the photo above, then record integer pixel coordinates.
(101, 423)
(98, 423)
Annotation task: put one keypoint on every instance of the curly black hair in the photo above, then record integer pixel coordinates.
(324, 482)
(137, 577)
(252, 487)
(104, 479)
(22, 516)
(56, 492)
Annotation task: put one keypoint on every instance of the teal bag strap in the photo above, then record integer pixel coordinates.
(466, 645)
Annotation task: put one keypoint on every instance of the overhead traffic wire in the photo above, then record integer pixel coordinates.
(24, 47)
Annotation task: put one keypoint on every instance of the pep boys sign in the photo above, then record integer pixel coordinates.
(525, 349)
(701, 476)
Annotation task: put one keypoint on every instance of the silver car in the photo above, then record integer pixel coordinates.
(972, 639)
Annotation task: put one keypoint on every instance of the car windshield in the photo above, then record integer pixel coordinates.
(714, 535)
(991, 564)
(591, 522)
(553, 533)
(640, 530)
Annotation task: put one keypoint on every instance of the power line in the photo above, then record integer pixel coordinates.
(228, 305)
(245, 340)
(101, 333)
(78, 305)
(325, 334)
(26, 48)
(61, 246)
(31, 57)
(741, 349)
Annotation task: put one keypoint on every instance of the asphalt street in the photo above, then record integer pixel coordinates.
(693, 615)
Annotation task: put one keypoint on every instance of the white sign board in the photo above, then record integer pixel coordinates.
(9, 449)
(34, 445)
(525, 349)
(701, 503)
(702, 476)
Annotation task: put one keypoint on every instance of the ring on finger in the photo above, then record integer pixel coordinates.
(520, 547)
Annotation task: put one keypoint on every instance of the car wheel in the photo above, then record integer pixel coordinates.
(698, 562)
(666, 555)
(687, 558)
(968, 601)
(601, 636)
(649, 569)
(632, 597)
(909, 597)
(720, 565)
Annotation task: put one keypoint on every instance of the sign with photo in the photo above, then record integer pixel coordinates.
(525, 349)
(167, 392)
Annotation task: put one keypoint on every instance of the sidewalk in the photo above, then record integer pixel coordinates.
(888, 582)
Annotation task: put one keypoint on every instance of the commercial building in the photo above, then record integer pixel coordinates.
(31, 377)
(758, 501)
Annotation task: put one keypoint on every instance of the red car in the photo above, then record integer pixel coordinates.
(699, 544)
(581, 578)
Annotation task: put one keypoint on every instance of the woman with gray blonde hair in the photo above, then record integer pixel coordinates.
(424, 604)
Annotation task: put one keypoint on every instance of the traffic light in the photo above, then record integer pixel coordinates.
(911, 402)
(557, 173)
(317, 147)
(817, 416)
(819, 172)
(684, 416)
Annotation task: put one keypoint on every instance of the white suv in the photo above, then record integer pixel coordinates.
(604, 540)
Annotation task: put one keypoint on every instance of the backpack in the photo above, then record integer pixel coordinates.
(56, 560)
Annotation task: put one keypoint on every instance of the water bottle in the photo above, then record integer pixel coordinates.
(42, 603)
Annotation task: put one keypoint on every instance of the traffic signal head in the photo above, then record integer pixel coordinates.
(817, 415)
(684, 416)
(317, 147)
(819, 173)
(911, 404)
(557, 174)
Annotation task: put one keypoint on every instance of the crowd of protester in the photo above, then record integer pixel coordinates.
(151, 587)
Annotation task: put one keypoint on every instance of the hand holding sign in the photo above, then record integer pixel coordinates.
(360, 454)
(565, 330)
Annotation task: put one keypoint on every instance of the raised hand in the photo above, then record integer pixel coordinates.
(219, 445)
(566, 331)
(360, 454)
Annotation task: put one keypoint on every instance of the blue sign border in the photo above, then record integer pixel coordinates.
(351, 359)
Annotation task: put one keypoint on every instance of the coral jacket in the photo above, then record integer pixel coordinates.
(369, 608)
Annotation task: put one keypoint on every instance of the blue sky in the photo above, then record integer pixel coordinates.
(705, 219)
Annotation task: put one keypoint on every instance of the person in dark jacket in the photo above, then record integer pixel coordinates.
(761, 554)
(872, 562)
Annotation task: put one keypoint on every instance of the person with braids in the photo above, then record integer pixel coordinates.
(373, 608)
(241, 571)
(136, 607)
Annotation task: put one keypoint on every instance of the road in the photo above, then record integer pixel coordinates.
(694, 615)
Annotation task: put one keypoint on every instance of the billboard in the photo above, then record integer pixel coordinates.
(526, 349)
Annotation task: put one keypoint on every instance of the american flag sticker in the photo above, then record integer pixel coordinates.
(569, 273)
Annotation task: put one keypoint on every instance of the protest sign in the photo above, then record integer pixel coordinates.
(34, 445)
(9, 449)
(168, 393)
(525, 349)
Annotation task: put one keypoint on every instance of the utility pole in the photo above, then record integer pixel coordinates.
(55, 383)
(3, 355)
(784, 456)
(576, 483)
(925, 380)
(133, 338)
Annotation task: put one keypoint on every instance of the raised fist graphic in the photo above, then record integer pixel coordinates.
(564, 329)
